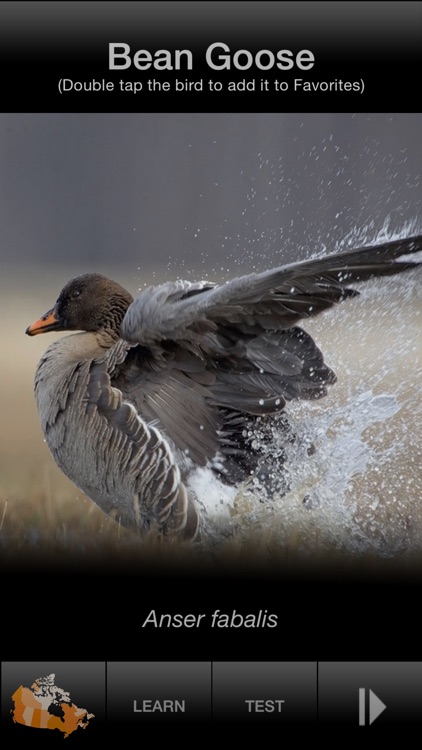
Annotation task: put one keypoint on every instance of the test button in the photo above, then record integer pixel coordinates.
(264, 692)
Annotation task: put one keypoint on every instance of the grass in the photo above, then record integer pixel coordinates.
(54, 524)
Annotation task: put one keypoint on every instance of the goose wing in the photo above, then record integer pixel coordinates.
(237, 345)
(274, 299)
(166, 385)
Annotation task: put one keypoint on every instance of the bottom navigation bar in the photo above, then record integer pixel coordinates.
(69, 696)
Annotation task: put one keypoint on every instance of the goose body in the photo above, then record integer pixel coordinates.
(151, 388)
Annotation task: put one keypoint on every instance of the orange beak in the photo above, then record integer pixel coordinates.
(48, 322)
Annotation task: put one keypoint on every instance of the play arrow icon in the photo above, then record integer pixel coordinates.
(376, 707)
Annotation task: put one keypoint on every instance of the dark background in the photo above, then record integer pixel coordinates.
(42, 42)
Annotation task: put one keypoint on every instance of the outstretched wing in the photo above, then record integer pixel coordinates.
(237, 345)
(275, 299)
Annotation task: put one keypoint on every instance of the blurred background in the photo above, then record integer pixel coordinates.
(148, 197)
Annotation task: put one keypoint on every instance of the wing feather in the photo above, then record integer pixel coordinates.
(274, 299)
(236, 346)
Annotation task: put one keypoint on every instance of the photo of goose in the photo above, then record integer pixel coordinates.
(232, 353)
(176, 378)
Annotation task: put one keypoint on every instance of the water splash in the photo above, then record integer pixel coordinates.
(355, 483)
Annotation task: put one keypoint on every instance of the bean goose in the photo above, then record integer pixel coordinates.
(155, 386)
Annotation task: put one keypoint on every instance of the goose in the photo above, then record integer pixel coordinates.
(148, 389)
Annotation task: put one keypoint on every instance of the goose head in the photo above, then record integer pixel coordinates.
(90, 302)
